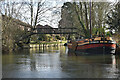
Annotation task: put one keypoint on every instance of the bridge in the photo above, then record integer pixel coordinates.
(68, 31)
(38, 30)
(55, 31)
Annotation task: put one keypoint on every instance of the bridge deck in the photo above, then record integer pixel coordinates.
(55, 33)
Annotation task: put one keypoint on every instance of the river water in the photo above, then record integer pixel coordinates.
(56, 62)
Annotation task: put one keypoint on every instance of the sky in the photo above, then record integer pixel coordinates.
(49, 18)
(60, 3)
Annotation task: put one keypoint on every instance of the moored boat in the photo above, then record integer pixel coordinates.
(98, 45)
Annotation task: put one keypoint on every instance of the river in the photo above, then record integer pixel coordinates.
(56, 62)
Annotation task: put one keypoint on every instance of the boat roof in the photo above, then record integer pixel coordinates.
(100, 38)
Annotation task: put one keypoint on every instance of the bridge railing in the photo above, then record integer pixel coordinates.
(55, 30)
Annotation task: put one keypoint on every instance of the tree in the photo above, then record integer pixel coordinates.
(17, 14)
(78, 13)
(11, 30)
(114, 18)
(38, 14)
(69, 18)
(100, 11)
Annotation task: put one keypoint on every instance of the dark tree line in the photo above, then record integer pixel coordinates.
(77, 14)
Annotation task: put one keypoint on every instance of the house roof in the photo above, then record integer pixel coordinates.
(4, 17)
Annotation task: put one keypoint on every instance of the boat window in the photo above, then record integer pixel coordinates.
(98, 38)
(109, 38)
(96, 41)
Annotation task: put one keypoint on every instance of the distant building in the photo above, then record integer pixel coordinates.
(21, 25)
(45, 29)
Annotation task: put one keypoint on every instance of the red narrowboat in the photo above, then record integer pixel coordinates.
(98, 45)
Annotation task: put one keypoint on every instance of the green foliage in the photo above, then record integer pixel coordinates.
(63, 38)
(108, 34)
(34, 38)
(49, 38)
(58, 37)
(41, 37)
(94, 31)
(77, 14)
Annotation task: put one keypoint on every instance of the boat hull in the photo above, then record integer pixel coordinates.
(104, 48)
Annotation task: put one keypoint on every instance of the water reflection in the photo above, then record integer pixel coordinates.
(113, 71)
(95, 66)
(56, 62)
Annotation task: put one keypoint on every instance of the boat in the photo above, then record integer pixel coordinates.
(93, 45)
(97, 45)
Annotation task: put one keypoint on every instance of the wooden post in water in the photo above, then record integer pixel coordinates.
(36, 46)
(43, 47)
(39, 45)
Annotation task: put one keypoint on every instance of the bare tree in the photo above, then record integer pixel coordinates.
(30, 12)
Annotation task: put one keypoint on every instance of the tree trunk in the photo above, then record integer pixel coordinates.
(86, 15)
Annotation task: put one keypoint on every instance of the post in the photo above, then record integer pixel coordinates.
(36, 46)
(39, 45)
(43, 47)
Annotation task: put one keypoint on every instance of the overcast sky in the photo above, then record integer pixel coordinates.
(50, 18)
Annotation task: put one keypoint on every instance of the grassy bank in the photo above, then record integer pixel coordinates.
(45, 42)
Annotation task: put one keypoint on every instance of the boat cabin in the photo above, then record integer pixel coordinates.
(97, 40)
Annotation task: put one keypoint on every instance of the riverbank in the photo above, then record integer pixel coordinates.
(48, 44)
(118, 50)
